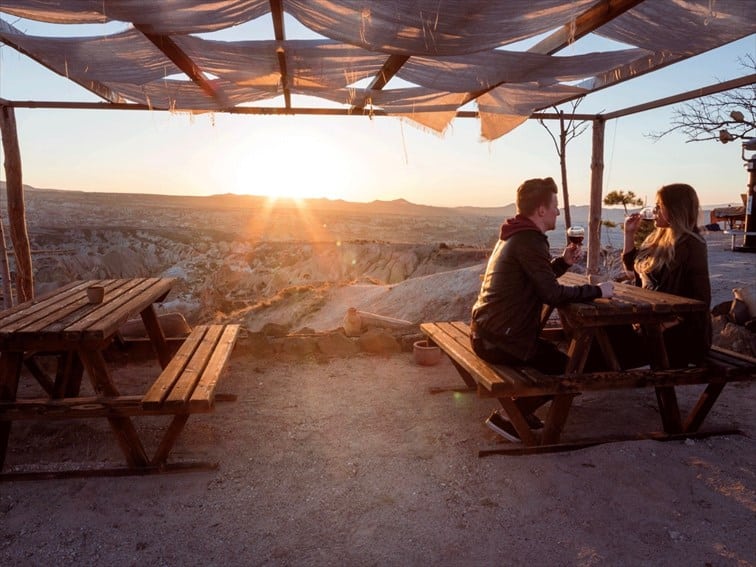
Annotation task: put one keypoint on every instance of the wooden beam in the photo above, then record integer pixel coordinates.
(281, 54)
(16, 211)
(682, 97)
(276, 12)
(390, 68)
(590, 20)
(165, 44)
(265, 110)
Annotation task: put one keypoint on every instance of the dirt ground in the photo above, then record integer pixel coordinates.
(352, 461)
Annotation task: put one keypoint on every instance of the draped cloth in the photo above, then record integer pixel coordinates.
(459, 54)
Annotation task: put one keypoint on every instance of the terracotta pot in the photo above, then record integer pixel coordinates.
(426, 354)
(352, 323)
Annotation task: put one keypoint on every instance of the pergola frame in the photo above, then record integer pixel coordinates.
(592, 19)
(16, 211)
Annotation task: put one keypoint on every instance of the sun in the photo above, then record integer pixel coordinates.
(292, 163)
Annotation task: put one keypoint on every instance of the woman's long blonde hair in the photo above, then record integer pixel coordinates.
(681, 208)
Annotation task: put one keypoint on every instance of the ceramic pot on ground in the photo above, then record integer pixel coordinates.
(426, 354)
(352, 323)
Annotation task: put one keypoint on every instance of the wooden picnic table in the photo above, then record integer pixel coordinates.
(64, 323)
(582, 325)
(630, 305)
(67, 326)
(586, 322)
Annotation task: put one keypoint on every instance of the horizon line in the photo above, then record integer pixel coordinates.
(329, 199)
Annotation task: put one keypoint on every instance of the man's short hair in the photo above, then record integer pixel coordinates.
(533, 193)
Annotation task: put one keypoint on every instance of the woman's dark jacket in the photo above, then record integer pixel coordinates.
(687, 276)
(520, 278)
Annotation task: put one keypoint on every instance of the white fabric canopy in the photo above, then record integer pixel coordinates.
(450, 53)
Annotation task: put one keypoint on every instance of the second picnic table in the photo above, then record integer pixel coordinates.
(66, 325)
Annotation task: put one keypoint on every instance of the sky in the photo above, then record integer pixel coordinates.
(359, 158)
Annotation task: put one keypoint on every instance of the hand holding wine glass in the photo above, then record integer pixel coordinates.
(575, 235)
(633, 221)
(631, 224)
(647, 213)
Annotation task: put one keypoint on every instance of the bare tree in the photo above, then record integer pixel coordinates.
(568, 130)
(726, 117)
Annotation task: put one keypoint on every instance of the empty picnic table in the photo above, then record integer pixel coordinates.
(66, 325)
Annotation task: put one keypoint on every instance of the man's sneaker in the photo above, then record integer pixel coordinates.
(503, 427)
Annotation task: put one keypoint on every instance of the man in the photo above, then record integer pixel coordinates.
(520, 278)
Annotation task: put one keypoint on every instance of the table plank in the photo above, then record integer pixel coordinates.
(67, 319)
(113, 288)
(629, 299)
(30, 312)
(130, 302)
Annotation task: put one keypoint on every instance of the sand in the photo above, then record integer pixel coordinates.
(351, 461)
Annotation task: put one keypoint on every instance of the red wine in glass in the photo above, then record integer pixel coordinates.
(575, 235)
(648, 213)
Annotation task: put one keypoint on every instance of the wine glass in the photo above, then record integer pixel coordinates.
(648, 213)
(575, 235)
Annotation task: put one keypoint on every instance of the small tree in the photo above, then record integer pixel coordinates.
(622, 198)
(568, 130)
(629, 198)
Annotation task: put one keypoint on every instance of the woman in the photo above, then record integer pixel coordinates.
(673, 259)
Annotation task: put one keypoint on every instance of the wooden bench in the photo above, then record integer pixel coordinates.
(188, 382)
(506, 382)
(186, 386)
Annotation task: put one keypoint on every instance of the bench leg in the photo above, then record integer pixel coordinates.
(171, 434)
(469, 380)
(157, 337)
(556, 418)
(705, 402)
(39, 375)
(123, 428)
(10, 371)
(128, 440)
(580, 346)
(668, 408)
(517, 408)
(70, 372)
(517, 418)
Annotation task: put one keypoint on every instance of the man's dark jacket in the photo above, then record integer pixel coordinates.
(520, 278)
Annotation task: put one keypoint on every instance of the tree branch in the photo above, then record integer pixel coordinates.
(726, 116)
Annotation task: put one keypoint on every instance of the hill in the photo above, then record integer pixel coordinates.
(226, 201)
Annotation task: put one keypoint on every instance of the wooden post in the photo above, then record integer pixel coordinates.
(16, 211)
(594, 212)
(749, 226)
(5, 270)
